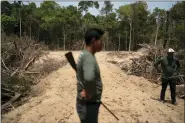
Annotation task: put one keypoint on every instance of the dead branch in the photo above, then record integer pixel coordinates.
(17, 56)
(7, 104)
(7, 94)
(14, 72)
(182, 96)
(7, 90)
(29, 72)
(34, 45)
(4, 65)
(16, 47)
(29, 63)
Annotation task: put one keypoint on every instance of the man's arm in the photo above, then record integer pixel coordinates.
(89, 75)
(156, 64)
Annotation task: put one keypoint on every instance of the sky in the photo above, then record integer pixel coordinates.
(151, 5)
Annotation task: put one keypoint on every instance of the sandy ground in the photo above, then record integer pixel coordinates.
(132, 99)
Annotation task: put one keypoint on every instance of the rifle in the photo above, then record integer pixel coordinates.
(71, 60)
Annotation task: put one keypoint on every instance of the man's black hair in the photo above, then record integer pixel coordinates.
(93, 33)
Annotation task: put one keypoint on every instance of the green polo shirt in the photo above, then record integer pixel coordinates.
(88, 74)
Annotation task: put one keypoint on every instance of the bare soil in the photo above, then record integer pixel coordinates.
(131, 98)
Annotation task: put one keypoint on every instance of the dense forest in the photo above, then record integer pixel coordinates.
(62, 28)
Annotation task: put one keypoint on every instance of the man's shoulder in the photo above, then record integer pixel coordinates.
(84, 55)
(80, 58)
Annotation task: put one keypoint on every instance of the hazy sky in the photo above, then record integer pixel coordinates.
(151, 5)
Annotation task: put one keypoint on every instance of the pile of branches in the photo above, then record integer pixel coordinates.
(181, 56)
(143, 66)
(17, 55)
(180, 87)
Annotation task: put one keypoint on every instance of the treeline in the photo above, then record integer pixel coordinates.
(63, 27)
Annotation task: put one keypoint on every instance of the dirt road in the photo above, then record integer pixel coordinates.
(131, 98)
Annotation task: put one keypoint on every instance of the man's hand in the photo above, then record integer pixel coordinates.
(175, 74)
(85, 95)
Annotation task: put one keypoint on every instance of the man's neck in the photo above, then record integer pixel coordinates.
(90, 50)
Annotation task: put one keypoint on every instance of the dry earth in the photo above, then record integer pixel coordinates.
(132, 99)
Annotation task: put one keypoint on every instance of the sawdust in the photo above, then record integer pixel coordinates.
(131, 98)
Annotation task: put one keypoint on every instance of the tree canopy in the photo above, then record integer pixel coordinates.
(62, 27)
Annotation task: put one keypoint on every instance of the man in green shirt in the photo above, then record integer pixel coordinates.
(170, 68)
(89, 85)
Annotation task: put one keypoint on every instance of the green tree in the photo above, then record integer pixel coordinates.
(140, 16)
(177, 25)
(64, 26)
(84, 5)
(126, 13)
(108, 7)
(8, 23)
